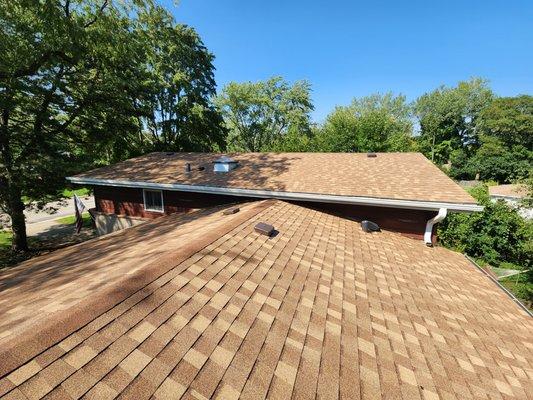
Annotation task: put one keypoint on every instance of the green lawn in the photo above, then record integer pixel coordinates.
(68, 193)
(71, 219)
(521, 288)
(5, 239)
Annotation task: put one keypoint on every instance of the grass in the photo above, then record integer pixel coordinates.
(5, 239)
(68, 193)
(9, 257)
(521, 287)
(71, 219)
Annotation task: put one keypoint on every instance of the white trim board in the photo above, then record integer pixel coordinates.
(294, 196)
(162, 200)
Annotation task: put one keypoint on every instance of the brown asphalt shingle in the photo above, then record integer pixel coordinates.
(321, 310)
(511, 190)
(404, 176)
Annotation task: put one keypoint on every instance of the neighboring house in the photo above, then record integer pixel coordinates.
(402, 192)
(514, 195)
(201, 305)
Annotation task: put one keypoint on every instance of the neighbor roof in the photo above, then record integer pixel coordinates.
(514, 191)
(406, 180)
(319, 310)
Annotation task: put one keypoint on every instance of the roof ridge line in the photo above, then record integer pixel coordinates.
(33, 340)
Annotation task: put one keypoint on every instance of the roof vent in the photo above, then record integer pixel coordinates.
(225, 164)
(188, 167)
(369, 226)
(264, 229)
(230, 211)
(371, 155)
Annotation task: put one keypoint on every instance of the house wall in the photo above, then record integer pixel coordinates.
(129, 202)
(107, 223)
(411, 223)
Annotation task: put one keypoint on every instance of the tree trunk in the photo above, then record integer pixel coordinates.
(18, 222)
(11, 191)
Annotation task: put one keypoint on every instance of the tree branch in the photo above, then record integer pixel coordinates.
(66, 7)
(101, 10)
(35, 65)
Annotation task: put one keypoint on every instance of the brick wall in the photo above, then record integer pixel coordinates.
(411, 223)
(129, 202)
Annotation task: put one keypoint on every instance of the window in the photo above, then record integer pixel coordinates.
(153, 200)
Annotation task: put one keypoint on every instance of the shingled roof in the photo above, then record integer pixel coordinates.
(389, 179)
(320, 309)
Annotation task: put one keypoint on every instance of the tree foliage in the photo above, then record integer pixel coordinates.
(504, 149)
(177, 112)
(373, 123)
(259, 114)
(94, 81)
(498, 235)
(509, 119)
(448, 118)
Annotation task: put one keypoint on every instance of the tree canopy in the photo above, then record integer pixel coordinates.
(448, 118)
(372, 123)
(84, 82)
(259, 114)
(503, 152)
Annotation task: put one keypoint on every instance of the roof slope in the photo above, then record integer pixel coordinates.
(399, 176)
(516, 191)
(320, 310)
(45, 285)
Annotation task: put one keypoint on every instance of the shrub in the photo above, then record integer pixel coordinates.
(498, 235)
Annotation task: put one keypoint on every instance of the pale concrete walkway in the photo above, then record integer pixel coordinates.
(55, 210)
(44, 221)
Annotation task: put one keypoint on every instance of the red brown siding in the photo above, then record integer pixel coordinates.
(129, 201)
(411, 223)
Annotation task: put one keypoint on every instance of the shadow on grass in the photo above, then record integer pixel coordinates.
(53, 238)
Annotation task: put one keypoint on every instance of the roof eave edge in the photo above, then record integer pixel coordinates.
(295, 196)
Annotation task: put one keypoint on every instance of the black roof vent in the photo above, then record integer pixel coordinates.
(371, 155)
(264, 229)
(369, 226)
(232, 210)
(188, 167)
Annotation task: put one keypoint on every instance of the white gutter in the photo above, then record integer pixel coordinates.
(429, 225)
(294, 196)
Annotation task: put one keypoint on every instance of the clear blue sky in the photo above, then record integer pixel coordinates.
(354, 48)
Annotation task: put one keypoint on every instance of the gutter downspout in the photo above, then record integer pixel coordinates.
(429, 225)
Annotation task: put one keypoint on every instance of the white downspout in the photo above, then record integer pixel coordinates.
(429, 225)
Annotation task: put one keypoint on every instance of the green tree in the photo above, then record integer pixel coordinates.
(510, 119)
(373, 123)
(505, 141)
(86, 82)
(448, 118)
(498, 235)
(177, 111)
(259, 114)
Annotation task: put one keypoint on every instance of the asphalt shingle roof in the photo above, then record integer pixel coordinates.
(320, 310)
(513, 191)
(399, 176)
